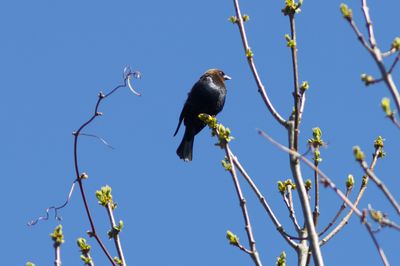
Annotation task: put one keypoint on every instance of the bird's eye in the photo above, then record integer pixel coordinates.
(222, 73)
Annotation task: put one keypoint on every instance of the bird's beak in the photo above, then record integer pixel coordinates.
(226, 77)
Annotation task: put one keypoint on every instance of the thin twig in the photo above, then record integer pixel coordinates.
(250, 60)
(99, 138)
(389, 53)
(264, 202)
(57, 251)
(378, 247)
(396, 60)
(360, 37)
(302, 105)
(394, 120)
(368, 21)
(55, 208)
(117, 241)
(296, 92)
(242, 248)
(254, 253)
(316, 188)
(340, 211)
(381, 185)
(288, 199)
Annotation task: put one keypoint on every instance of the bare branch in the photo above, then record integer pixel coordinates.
(305, 203)
(254, 253)
(340, 211)
(264, 202)
(288, 199)
(381, 185)
(327, 182)
(250, 60)
(117, 241)
(378, 247)
(396, 60)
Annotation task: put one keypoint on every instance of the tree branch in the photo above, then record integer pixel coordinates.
(254, 253)
(250, 60)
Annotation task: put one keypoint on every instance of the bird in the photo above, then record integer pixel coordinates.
(206, 96)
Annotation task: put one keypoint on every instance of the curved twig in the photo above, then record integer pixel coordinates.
(55, 208)
(127, 76)
(99, 138)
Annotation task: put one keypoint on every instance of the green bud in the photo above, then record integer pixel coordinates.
(350, 182)
(346, 12)
(396, 44)
(385, 104)
(291, 7)
(219, 130)
(304, 86)
(104, 196)
(233, 19)
(115, 230)
(226, 164)
(308, 184)
(209, 120)
(281, 187)
(317, 156)
(289, 41)
(281, 260)
(379, 142)
(290, 183)
(316, 141)
(249, 53)
(381, 154)
(317, 133)
(233, 239)
(86, 260)
(245, 18)
(364, 181)
(367, 79)
(117, 260)
(30, 263)
(57, 235)
(83, 246)
(358, 153)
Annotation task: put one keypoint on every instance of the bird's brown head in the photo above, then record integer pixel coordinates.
(217, 75)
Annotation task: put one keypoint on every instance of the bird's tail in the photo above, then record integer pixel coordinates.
(185, 149)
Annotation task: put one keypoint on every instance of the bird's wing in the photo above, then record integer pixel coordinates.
(184, 110)
(195, 93)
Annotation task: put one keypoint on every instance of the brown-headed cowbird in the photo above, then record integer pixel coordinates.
(206, 96)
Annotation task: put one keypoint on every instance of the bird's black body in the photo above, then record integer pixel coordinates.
(207, 96)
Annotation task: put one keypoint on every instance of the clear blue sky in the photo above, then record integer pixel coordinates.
(57, 55)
